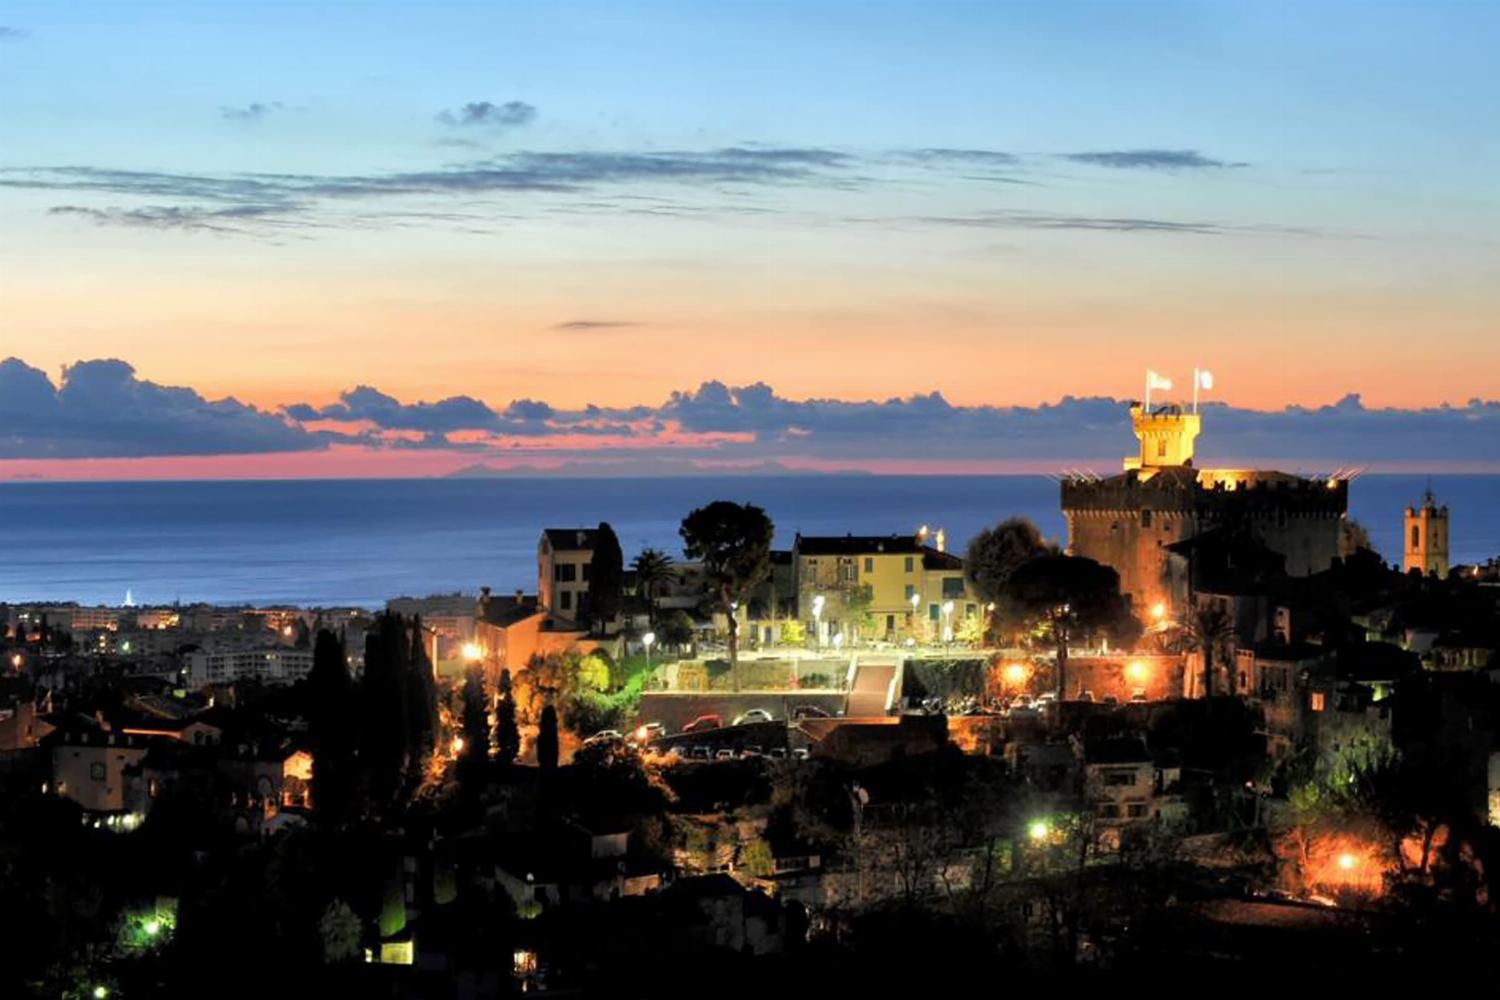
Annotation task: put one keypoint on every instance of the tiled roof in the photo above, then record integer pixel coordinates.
(570, 539)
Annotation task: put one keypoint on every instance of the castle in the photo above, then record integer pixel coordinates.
(1131, 521)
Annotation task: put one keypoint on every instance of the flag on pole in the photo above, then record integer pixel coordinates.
(1155, 381)
(1205, 380)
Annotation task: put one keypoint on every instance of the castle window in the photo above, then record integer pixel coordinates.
(1416, 536)
(1145, 519)
(1161, 447)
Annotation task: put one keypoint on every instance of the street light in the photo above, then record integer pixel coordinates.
(1038, 831)
(817, 609)
(472, 651)
(647, 640)
(947, 621)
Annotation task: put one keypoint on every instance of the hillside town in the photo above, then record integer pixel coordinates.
(1210, 727)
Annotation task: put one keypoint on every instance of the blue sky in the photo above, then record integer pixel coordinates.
(1004, 202)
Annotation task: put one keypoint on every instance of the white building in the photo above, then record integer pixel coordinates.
(269, 664)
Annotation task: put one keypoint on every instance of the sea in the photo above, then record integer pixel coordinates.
(361, 542)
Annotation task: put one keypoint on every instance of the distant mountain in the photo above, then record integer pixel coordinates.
(634, 468)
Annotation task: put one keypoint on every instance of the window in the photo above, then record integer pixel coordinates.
(869, 564)
(1416, 536)
(1109, 811)
(565, 572)
(565, 600)
(586, 567)
(933, 611)
(910, 564)
(1317, 701)
(96, 771)
(1145, 519)
(1161, 447)
(1119, 779)
(1136, 810)
(911, 591)
(953, 586)
(848, 572)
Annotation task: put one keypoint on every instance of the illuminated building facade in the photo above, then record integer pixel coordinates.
(1426, 538)
(1129, 521)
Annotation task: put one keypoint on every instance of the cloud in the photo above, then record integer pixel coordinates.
(1151, 159)
(979, 157)
(220, 220)
(1039, 220)
(511, 114)
(9, 34)
(100, 409)
(594, 324)
(273, 197)
(252, 112)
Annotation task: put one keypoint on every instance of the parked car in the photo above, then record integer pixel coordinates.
(701, 753)
(646, 733)
(675, 752)
(703, 723)
(800, 753)
(725, 754)
(809, 712)
(778, 753)
(604, 736)
(1138, 696)
(1086, 697)
(754, 715)
(752, 751)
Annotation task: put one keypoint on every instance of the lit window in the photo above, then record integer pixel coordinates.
(1317, 701)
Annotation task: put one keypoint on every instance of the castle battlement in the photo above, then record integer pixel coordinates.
(1130, 521)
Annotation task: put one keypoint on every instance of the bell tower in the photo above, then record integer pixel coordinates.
(1166, 435)
(1426, 538)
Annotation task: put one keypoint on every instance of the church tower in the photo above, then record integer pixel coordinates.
(1427, 538)
(1166, 435)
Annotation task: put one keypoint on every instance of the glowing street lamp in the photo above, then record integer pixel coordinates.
(817, 610)
(1347, 861)
(1137, 671)
(947, 621)
(647, 640)
(1016, 674)
(472, 652)
(1038, 831)
(838, 641)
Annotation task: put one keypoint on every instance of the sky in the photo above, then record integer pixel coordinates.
(276, 238)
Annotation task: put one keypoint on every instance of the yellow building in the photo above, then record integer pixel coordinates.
(563, 558)
(884, 587)
(1426, 537)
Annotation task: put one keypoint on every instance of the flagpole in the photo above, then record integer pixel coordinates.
(1195, 390)
(1148, 392)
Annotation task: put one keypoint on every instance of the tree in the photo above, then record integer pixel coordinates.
(858, 599)
(995, 553)
(507, 734)
(1207, 630)
(653, 569)
(385, 740)
(330, 701)
(606, 575)
(793, 632)
(734, 542)
(340, 931)
(546, 739)
(1064, 596)
(421, 696)
(1353, 538)
(676, 629)
(476, 726)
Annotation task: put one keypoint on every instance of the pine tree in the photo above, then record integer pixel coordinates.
(421, 697)
(386, 740)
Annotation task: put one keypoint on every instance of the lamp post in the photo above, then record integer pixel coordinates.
(947, 621)
(647, 640)
(817, 609)
(916, 599)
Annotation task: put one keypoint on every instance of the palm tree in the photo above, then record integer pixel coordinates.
(1207, 630)
(652, 569)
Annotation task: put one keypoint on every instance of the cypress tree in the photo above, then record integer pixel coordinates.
(546, 739)
(507, 734)
(330, 705)
(606, 578)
